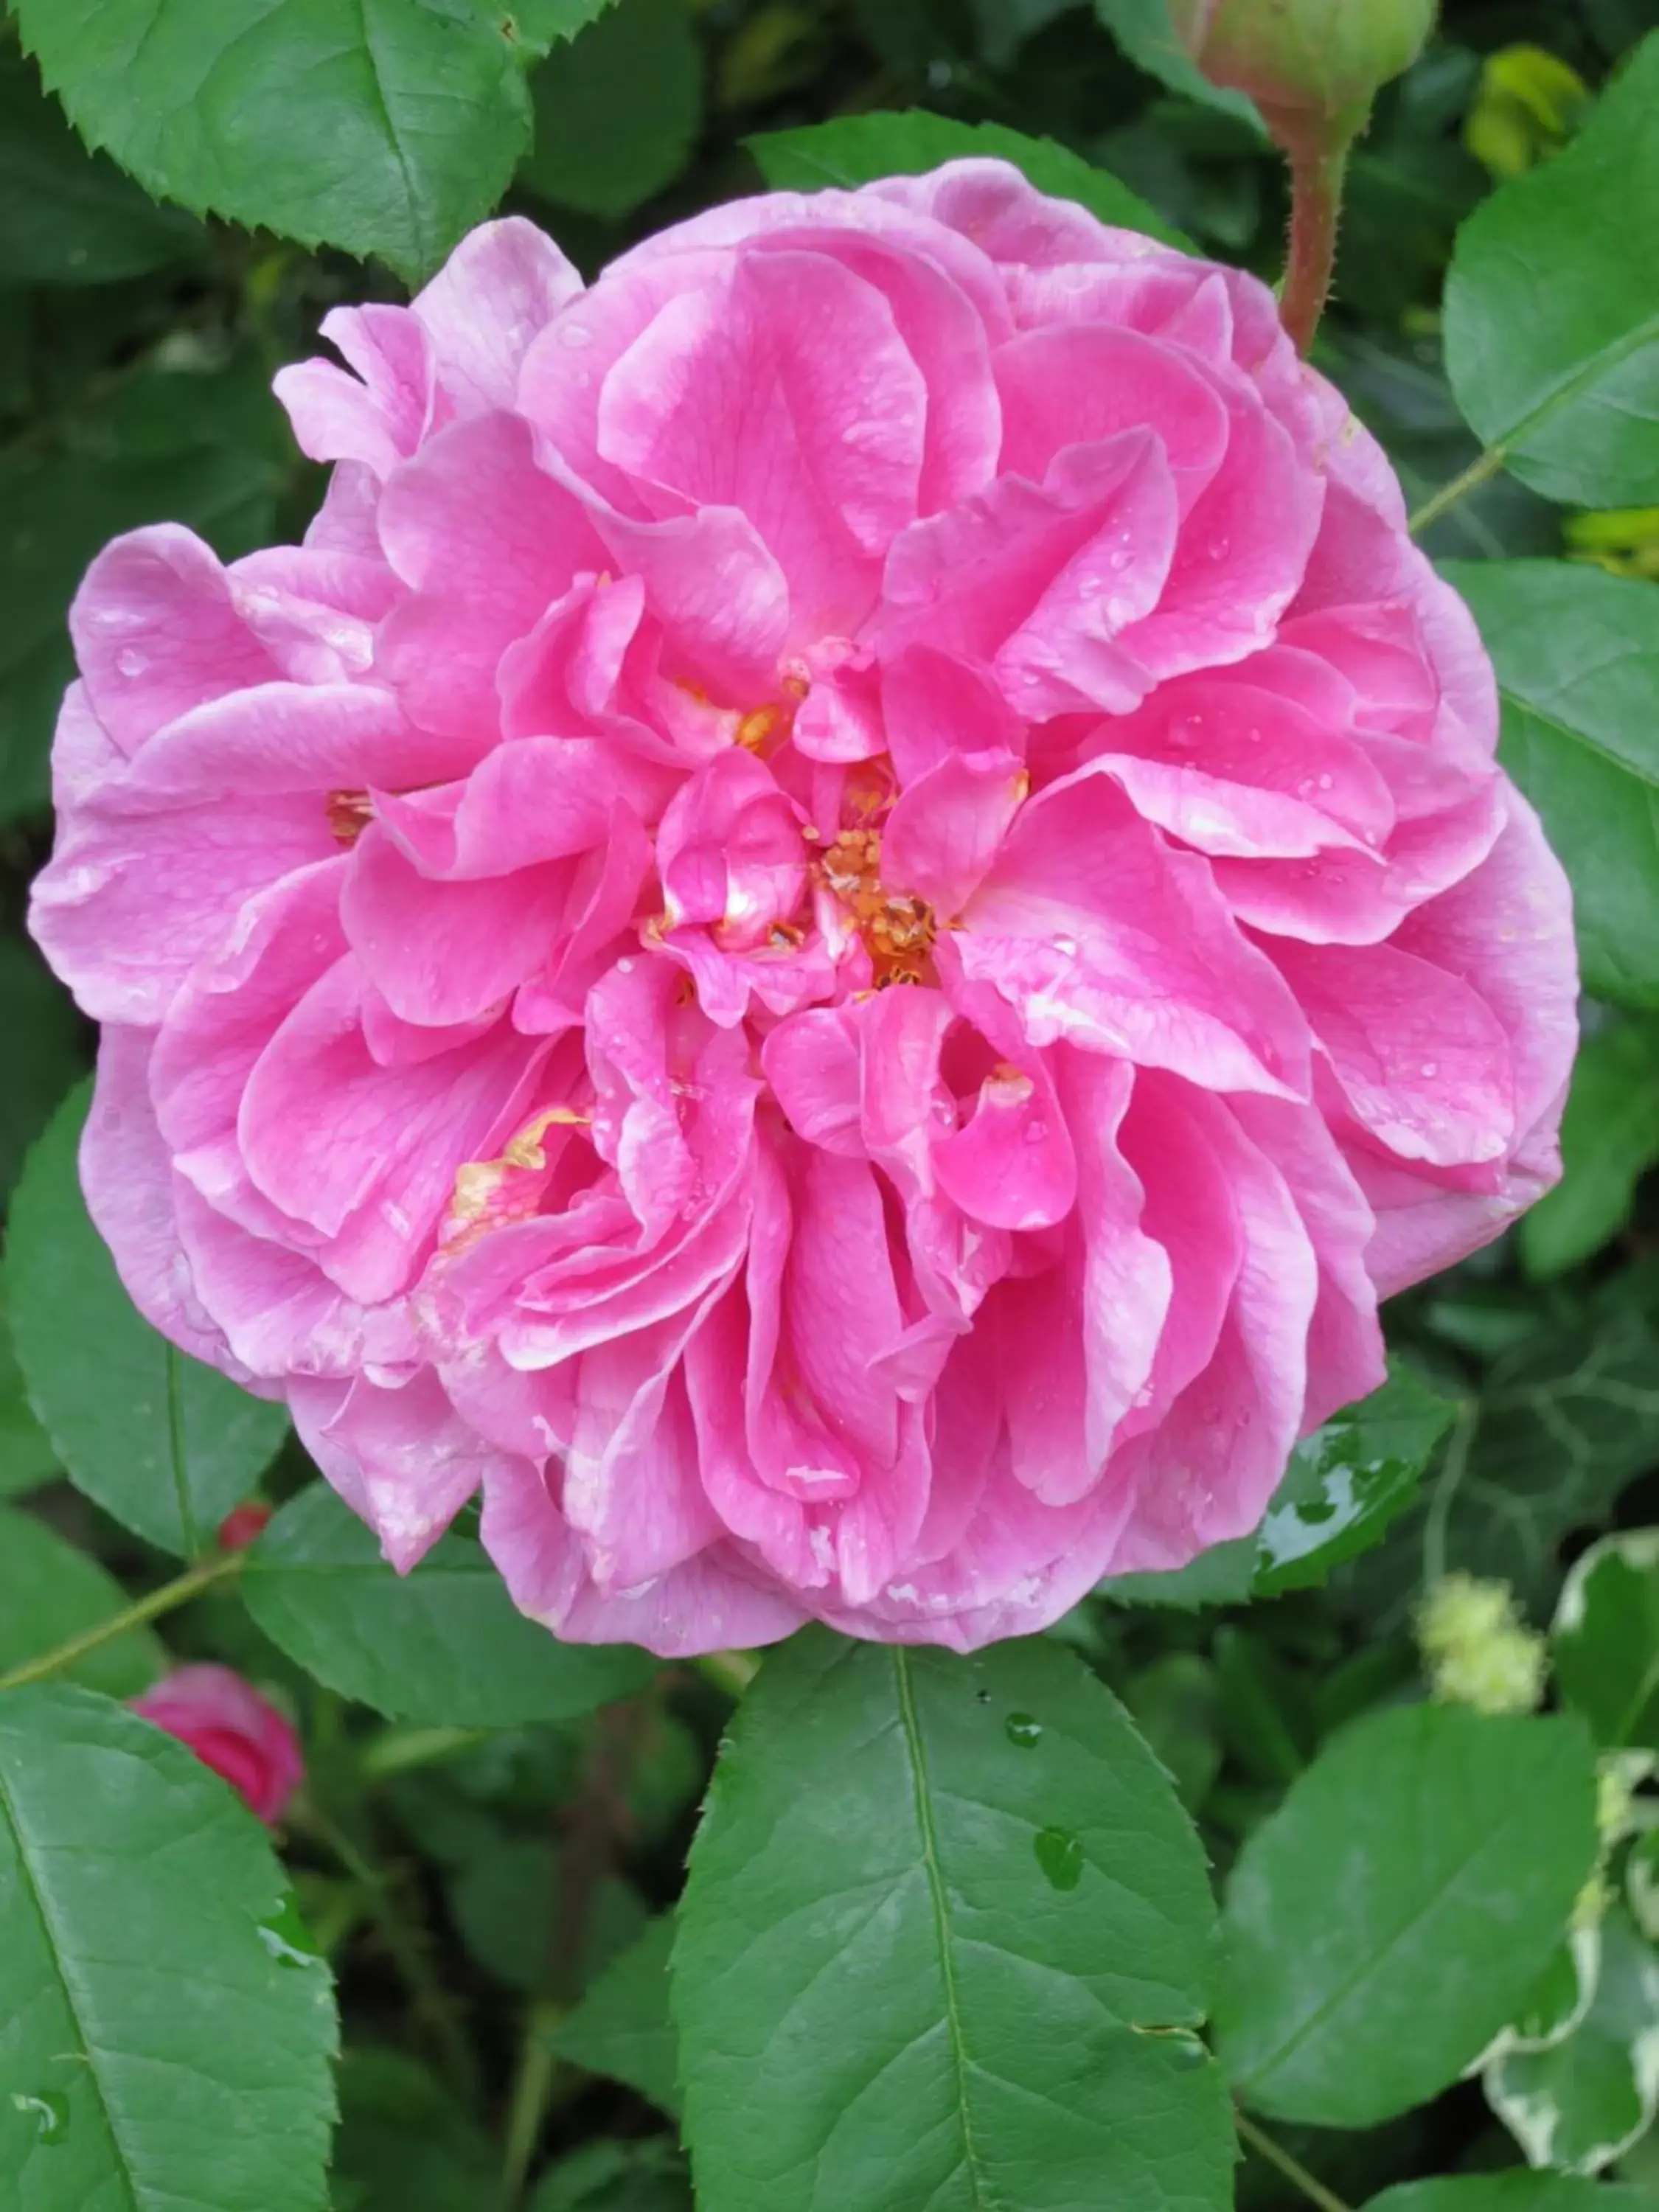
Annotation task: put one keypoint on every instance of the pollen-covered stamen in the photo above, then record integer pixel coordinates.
(763, 729)
(898, 933)
(349, 813)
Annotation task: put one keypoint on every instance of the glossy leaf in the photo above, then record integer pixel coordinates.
(539, 25)
(444, 1645)
(1609, 1139)
(1347, 1482)
(1570, 398)
(163, 2040)
(1515, 2192)
(616, 110)
(68, 217)
(166, 445)
(1392, 1916)
(1577, 652)
(1580, 2104)
(1143, 29)
(50, 1591)
(622, 2027)
(946, 1937)
(164, 1445)
(387, 127)
(1607, 1640)
(855, 150)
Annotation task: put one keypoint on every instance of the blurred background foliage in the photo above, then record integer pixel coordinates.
(137, 346)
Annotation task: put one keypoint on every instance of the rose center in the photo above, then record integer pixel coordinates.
(898, 932)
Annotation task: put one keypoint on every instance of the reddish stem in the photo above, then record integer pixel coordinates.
(1316, 206)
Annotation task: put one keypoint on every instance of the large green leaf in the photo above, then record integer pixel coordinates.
(164, 1445)
(539, 24)
(49, 1592)
(165, 2039)
(167, 444)
(622, 2027)
(27, 1457)
(856, 149)
(1552, 319)
(616, 110)
(68, 217)
(1516, 2191)
(385, 127)
(1609, 1139)
(1392, 1916)
(42, 1033)
(443, 1645)
(1607, 1640)
(945, 1940)
(1577, 652)
(1582, 2103)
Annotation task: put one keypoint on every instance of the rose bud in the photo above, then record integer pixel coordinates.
(233, 1730)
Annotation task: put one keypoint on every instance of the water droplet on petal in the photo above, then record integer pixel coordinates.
(1325, 781)
(1035, 1131)
(1059, 1853)
(50, 2111)
(1218, 548)
(1066, 947)
(131, 662)
(1119, 560)
(1025, 1730)
(574, 334)
(1430, 1068)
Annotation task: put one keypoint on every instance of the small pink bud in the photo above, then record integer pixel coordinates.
(1304, 62)
(242, 1525)
(233, 1730)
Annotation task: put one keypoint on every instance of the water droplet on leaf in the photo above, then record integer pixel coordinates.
(51, 2111)
(1025, 1730)
(1059, 1853)
(285, 1935)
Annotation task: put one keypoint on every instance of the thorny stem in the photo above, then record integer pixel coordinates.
(1315, 204)
(171, 1594)
(1293, 2169)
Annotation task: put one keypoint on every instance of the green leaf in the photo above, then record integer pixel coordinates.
(1605, 1639)
(539, 24)
(1225, 1574)
(1143, 29)
(504, 1900)
(404, 2145)
(384, 126)
(1580, 2104)
(1392, 1916)
(200, 446)
(165, 1445)
(1174, 1703)
(1609, 1139)
(444, 1645)
(945, 1939)
(49, 1592)
(1347, 1482)
(27, 1457)
(1577, 652)
(43, 1034)
(618, 110)
(856, 149)
(1516, 2191)
(622, 2026)
(164, 2042)
(1569, 398)
(68, 217)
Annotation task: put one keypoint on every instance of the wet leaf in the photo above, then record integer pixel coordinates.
(155, 2051)
(164, 1445)
(920, 1962)
(1392, 1916)
(444, 1645)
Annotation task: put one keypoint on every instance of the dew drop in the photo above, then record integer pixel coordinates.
(131, 663)
(1219, 548)
(1066, 947)
(1119, 560)
(1059, 1853)
(982, 1696)
(1025, 1730)
(1089, 588)
(1325, 781)
(285, 1935)
(574, 334)
(1255, 736)
(1035, 1131)
(1430, 1068)
(50, 2111)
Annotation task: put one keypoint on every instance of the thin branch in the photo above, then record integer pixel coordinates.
(1293, 2169)
(171, 1594)
(1483, 466)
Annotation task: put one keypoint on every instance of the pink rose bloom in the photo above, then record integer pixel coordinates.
(233, 1730)
(834, 929)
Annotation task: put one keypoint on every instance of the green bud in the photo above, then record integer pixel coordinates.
(1309, 65)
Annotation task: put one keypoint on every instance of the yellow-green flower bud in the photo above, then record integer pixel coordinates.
(1479, 1651)
(1306, 63)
